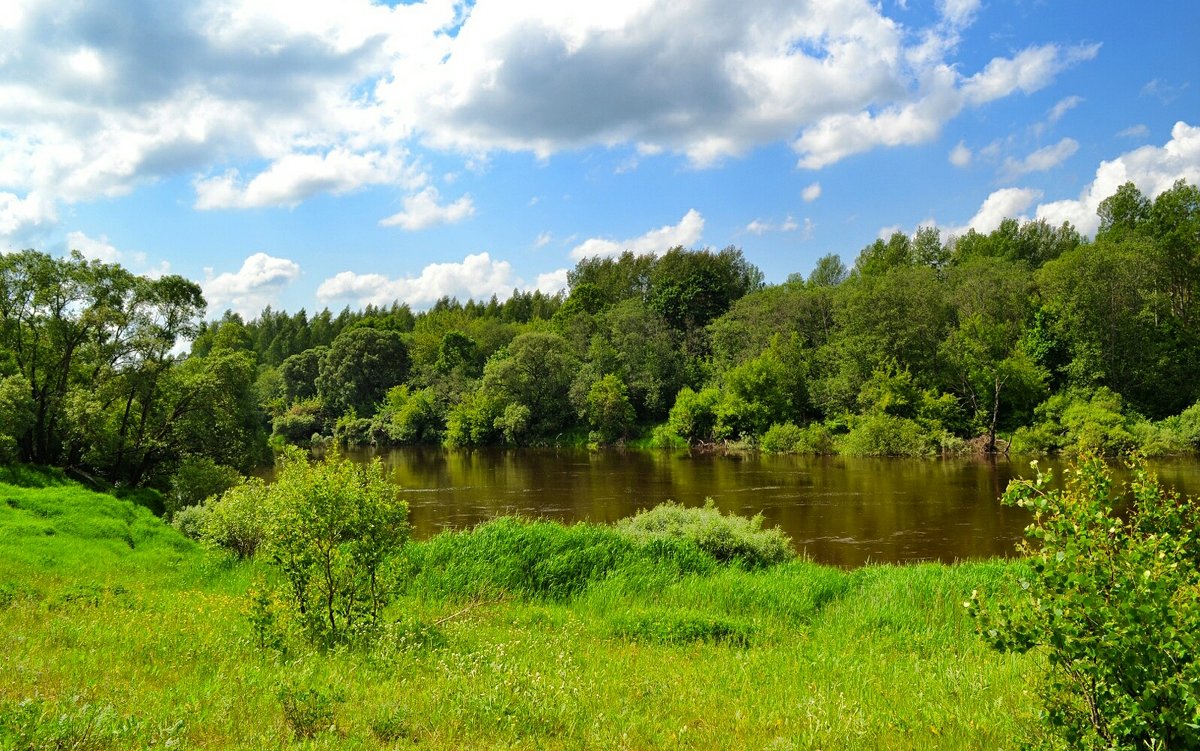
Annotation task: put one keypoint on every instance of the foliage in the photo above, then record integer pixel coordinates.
(610, 414)
(331, 527)
(881, 434)
(359, 368)
(788, 438)
(411, 416)
(198, 478)
(237, 520)
(1083, 422)
(727, 538)
(1112, 593)
(694, 416)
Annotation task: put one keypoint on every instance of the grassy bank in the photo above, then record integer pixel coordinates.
(116, 632)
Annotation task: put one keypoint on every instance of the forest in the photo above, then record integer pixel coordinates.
(1028, 339)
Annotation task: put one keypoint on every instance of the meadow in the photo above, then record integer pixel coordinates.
(117, 632)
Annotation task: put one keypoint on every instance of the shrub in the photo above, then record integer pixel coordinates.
(237, 520)
(694, 415)
(726, 538)
(308, 710)
(537, 559)
(881, 434)
(198, 478)
(1114, 599)
(352, 430)
(787, 438)
(331, 527)
(190, 521)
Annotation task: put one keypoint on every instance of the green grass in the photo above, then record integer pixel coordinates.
(117, 633)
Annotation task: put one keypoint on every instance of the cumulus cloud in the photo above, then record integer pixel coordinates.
(1001, 204)
(478, 276)
(811, 192)
(686, 233)
(422, 210)
(248, 290)
(1152, 169)
(1043, 159)
(295, 177)
(552, 282)
(268, 103)
(20, 218)
(943, 94)
(960, 155)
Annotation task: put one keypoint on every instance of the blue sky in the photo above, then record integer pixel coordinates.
(330, 154)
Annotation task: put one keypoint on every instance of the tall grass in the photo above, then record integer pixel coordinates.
(118, 633)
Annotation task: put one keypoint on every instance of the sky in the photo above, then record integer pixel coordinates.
(311, 155)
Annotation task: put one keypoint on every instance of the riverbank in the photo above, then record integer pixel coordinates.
(118, 631)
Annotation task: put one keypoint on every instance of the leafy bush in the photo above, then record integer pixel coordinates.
(694, 415)
(725, 538)
(198, 478)
(190, 521)
(411, 416)
(352, 430)
(881, 434)
(331, 527)
(1114, 599)
(236, 520)
(787, 438)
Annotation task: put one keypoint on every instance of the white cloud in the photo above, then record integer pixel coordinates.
(1152, 169)
(686, 233)
(943, 94)
(759, 227)
(268, 102)
(248, 290)
(295, 177)
(958, 12)
(478, 276)
(422, 210)
(1062, 107)
(811, 192)
(1043, 159)
(552, 282)
(20, 217)
(960, 155)
(1135, 131)
(543, 240)
(1001, 204)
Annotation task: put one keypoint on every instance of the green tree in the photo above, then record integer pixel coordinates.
(359, 368)
(609, 412)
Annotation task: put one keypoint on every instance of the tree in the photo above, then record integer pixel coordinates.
(536, 371)
(984, 352)
(609, 412)
(359, 368)
(329, 527)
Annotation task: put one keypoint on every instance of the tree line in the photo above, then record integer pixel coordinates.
(1030, 337)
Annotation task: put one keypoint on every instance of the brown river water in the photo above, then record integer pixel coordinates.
(840, 511)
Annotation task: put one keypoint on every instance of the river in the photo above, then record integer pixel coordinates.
(840, 511)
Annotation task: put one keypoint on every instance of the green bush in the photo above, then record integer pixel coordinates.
(237, 519)
(198, 478)
(694, 414)
(788, 438)
(726, 538)
(881, 434)
(1111, 592)
(536, 559)
(331, 527)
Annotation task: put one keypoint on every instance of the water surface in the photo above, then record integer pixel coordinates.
(841, 511)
